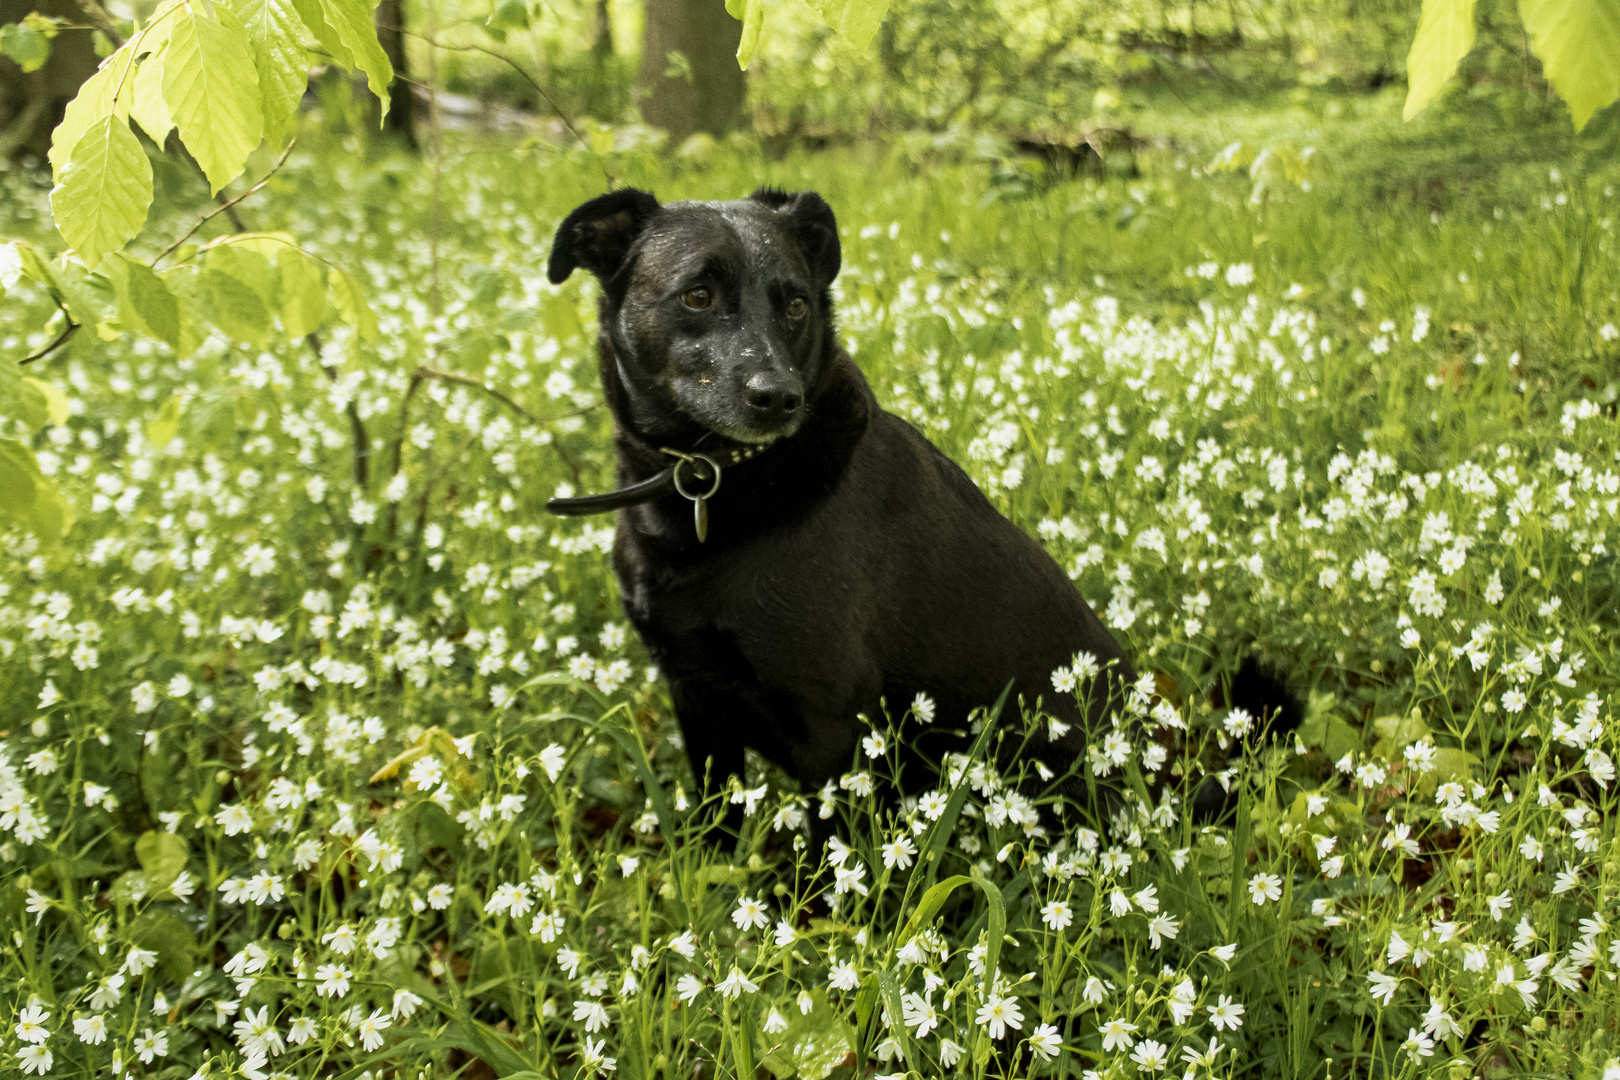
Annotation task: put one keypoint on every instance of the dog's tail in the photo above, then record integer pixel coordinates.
(1261, 690)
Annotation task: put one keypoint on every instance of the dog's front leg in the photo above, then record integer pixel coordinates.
(714, 747)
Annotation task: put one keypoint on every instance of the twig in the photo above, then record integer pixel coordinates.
(227, 207)
(61, 339)
(541, 90)
(362, 440)
(425, 372)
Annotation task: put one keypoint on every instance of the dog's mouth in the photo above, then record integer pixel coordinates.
(756, 435)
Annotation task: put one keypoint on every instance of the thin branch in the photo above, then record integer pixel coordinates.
(362, 440)
(61, 339)
(439, 374)
(227, 207)
(541, 90)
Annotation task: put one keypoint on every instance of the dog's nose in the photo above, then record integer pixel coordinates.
(773, 394)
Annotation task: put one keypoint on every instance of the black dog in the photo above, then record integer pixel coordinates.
(850, 561)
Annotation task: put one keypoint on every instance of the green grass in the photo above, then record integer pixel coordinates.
(1190, 395)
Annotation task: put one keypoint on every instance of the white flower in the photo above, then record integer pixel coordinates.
(1150, 1056)
(1045, 1041)
(1418, 1044)
(334, 980)
(689, 986)
(31, 1024)
(91, 1029)
(899, 852)
(593, 1013)
(735, 983)
(595, 1059)
(1000, 1013)
(1383, 986)
(750, 913)
(1226, 1014)
(1057, 915)
(1117, 1035)
(34, 1059)
(153, 1044)
(919, 1013)
(140, 961)
(1264, 887)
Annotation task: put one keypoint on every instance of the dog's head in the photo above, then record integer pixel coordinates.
(718, 312)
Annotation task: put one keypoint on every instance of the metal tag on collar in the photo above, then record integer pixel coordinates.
(700, 501)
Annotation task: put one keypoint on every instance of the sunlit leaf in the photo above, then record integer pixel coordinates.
(235, 307)
(212, 89)
(857, 20)
(351, 304)
(355, 26)
(274, 31)
(56, 402)
(27, 497)
(101, 199)
(109, 92)
(26, 46)
(145, 303)
(163, 427)
(753, 20)
(1445, 34)
(149, 109)
(1578, 44)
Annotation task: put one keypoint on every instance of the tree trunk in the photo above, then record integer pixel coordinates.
(31, 105)
(400, 120)
(711, 95)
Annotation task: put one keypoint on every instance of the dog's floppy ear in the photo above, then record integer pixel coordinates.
(815, 224)
(598, 234)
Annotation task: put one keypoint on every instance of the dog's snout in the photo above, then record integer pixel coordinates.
(773, 395)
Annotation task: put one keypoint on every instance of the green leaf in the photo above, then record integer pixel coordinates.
(162, 856)
(303, 307)
(56, 403)
(22, 398)
(1445, 34)
(813, 1044)
(11, 267)
(234, 307)
(1578, 44)
(144, 301)
(351, 304)
(247, 265)
(273, 30)
(857, 20)
(27, 498)
(1397, 732)
(186, 284)
(753, 20)
(313, 16)
(149, 109)
(163, 427)
(355, 26)
(24, 44)
(212, 89)
(170, 938)
(108, 92)
(101, 200)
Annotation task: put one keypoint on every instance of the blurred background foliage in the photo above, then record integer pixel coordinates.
(1077, 84)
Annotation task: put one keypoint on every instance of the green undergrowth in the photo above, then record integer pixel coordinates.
(329, 756)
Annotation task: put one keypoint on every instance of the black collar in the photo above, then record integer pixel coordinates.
(702, 471)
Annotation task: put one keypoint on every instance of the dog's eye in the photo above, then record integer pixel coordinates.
(697, 299)
(797, 307)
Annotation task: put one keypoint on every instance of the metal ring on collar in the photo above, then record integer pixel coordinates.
(687, 459)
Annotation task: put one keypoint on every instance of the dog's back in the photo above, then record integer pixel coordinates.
(830, 595)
